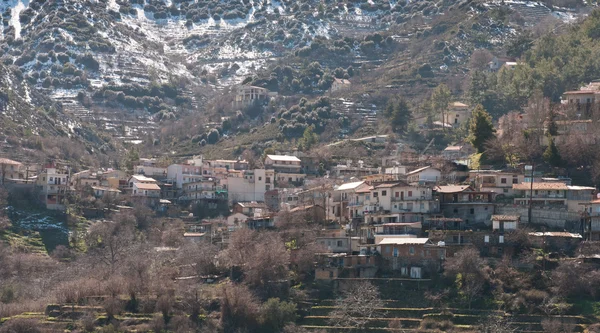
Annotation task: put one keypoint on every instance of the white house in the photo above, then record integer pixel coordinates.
(283, 163)
(145, 190)
(339, 84)
(249, 185)
(426, 174)
(100, 191)
(184, 173)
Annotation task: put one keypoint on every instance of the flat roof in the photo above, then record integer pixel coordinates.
(143, 178)
(451, 188)
(349, 186)
(403, 241)
(143, 186)
(286, 158)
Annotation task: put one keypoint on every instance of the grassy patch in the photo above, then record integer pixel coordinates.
(25, 241)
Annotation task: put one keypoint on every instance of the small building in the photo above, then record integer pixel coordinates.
(336, 244)
(236, 219)
(339, 84)
(458, 152)
(462, 201)
(331, 266)
(561, 241)
(426, 174)
(498, 62)
(412, 257)
(101, 191)
(247, 95)
(149, 190)
(10, 170)
(283, 163)
(53, 183)
(457, 114)
(250, 208)
(553, 194)
(505, 222)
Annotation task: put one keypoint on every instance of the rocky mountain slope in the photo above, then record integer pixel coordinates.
(126, 67)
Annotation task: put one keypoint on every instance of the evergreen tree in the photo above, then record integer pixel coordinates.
(551, 155)
(401, 115)
(440, 100)
(481, 128)
(309, 138)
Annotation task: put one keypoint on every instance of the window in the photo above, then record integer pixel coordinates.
(395, 252)
(397, 194)
(536, 192)
(410, 193)
(505, 190)
(268, 180)
(383, 193)
(515, 180)
(290, 179)
(455, 211)
(375, 194)
(259, 178)
(472, 211)
(411, 250)
(501, 239)
(388, 249)
(486, 238)
(500, 250)
(503, 180)
(340, 243)
(51, 179)
(409, 206)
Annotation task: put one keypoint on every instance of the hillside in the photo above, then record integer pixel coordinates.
(127, 70)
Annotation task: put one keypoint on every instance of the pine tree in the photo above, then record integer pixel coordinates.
(440, 100)
(481, 128)
(551, 154)
(400, 116)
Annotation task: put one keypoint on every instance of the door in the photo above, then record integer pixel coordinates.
(415, 272)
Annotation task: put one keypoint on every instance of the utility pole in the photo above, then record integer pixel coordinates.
(529, 212)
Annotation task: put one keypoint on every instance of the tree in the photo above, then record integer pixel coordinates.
(276, 314)
(440, 100)
(356, 305)
(400, 116)
(239, 309)
(481, 128)
(213, 136)
(496, 324)
(109, 242)
(468, 270)
(309, 138)
(480, 59)
(551, 155)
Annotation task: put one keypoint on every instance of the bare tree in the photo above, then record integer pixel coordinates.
(496, 324)
(469, 270)
(356, 305)
(480, 59)
(239, 308)
(109, 242)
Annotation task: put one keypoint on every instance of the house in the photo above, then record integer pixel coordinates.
(399, 202)
(458, 152)
(148, 190)
(580, 97)
(345, 171)
(248, 95)
(505, 222)
(341, 197)
(114, 179)
(462, 201)
(250, 208)
(249, 185)
(312, 213)
(553, 194)
(412, 257)
(330, 266)
(283, 163)
(336, 244)
(11, 170)
(339, 84)
(204, 188)
(260, 222)
(457, 114)
(140, 179)
(195, 237)
(498, 62)
(498, 182)
(53, 183)
(559, 241)
(181, 174)
(101, 191)
(426, 174)
(375, 233)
